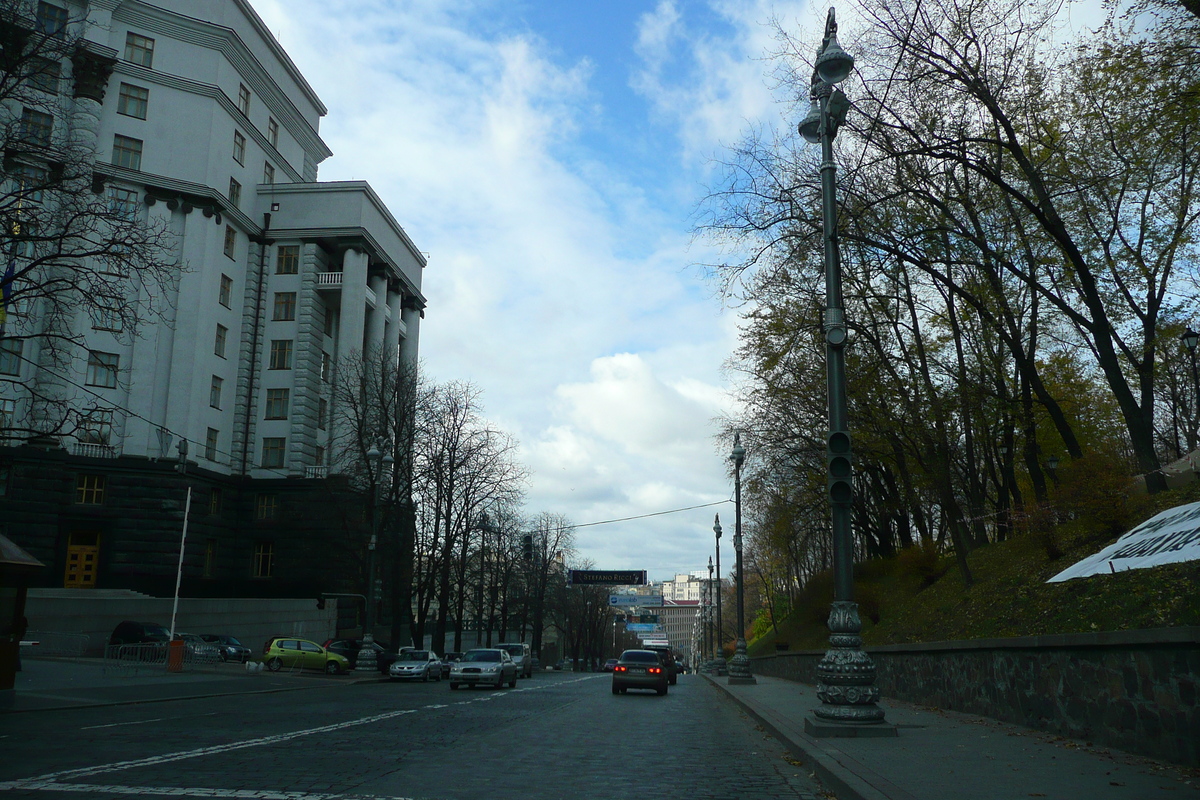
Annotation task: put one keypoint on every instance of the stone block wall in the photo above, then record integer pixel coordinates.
(1132, 690)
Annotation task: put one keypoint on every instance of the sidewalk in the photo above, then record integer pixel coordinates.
(54, 684)
(942, 755)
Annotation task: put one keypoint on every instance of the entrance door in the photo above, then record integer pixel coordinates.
(83, 557)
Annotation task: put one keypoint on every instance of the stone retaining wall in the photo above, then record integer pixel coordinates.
(1133, 690)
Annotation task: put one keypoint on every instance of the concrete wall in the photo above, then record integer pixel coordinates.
(1133, 690)
(251, 620)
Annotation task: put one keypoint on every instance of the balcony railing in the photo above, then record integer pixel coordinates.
(95, 450)
(329, 280)
(316, 472)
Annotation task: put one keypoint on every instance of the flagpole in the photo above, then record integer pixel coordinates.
(179, 571)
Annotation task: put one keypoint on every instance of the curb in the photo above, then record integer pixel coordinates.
(843, 781)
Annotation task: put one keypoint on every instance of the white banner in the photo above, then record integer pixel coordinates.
(1173, 535)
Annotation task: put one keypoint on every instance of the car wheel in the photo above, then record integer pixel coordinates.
(672, 681)
(275, 664)
(332, 668)
(438, 677)
(513, 683)
(425, 676)
(222, 655)
(453, 685)
(616, 690)
(662, 691)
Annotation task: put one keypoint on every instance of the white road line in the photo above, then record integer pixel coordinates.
(437, 706)
(35, 785)
(119, 724)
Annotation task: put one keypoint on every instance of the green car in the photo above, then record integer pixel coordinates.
(303, 654)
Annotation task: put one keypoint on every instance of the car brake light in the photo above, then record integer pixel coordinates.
(618, 669)
(654, 670)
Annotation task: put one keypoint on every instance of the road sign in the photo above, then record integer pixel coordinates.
(648, 618)
(640, 627)
(606, 577)
(635, 600)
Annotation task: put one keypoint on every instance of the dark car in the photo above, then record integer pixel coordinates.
(129, 632)
(668, 660)
(640, 669)
(448, 662)
(228, 648)
(348, 649)
(608, 665)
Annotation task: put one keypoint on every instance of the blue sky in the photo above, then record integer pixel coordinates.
(549, 157)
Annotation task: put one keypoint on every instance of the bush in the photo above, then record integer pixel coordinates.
(921, 561)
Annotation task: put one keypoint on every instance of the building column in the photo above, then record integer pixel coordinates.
(412, 328)
(353, 310)
(395, 324)
(376, 318)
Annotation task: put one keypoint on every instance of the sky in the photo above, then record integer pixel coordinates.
(549, 158)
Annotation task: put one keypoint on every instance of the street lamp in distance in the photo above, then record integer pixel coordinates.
(739, 666)
(378, 463)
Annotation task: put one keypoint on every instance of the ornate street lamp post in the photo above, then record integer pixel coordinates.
(739, 667)
(379, 462)
(708, 612)
(846, 675)
(719, 665)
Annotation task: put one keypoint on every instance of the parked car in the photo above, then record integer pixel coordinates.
(228, 648)
(416, 665)
(129, 632)
(562, 664)
(640, 669)
(608, 665)
(348, 649)
(490, 666)
(303, 654)
(448, 662)
(668, 662)
(521, 656)
(198, 650)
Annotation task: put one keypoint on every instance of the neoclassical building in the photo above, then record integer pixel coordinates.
(202, 127)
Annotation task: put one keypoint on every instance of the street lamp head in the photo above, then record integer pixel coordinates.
(1190, 339)
(739, 453)
(373, 454)
(810, 126)
(834, 64)
(717, 525)
(1052, 463)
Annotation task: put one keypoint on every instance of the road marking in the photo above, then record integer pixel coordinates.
(119, 724)
(216, 749)
(35, 785)
(437, 706)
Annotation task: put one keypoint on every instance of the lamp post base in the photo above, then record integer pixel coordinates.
(846, 675)
(739, 666)
(366, 655)
(824, 729)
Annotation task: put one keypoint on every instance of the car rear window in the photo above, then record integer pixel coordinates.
(640, 656)
(514, 649)
(482, 655)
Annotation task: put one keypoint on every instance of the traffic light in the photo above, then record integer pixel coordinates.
(527, 546)
(841, 487)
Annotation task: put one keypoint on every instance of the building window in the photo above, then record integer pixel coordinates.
(230, 240)
(96, 428)
(265, 506)
(272, 452)
(272, 132)
(219, 345)
(10, 356)
(89, 490)
(285, 306)
(239, 147)
(51, 19)
(264, 558)
(210, 554)
(319, 459)
(322, 412)
(139, 49)
(210, 444)
(326, 368)
(277, 406)
(122, 203)
(268, 172)
(102, 369)
(235, 193)
(214, 392)
(127, 152)
(330, 320)
(214, 501)
(36, 126)
(106, 319)
(133, 101)
(281, 354)
(45, 75)
(243, 99)
(226, 290)
(287, 259)
(8, 417)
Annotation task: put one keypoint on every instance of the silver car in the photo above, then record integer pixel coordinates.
(487, 667)
(416, 665)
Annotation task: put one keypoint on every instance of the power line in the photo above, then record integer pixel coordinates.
(654, 514)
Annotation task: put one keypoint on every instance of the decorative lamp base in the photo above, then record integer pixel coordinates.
(846, 675)
(739, 665)
(366, 656)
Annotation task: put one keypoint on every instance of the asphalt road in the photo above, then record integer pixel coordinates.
(556, 736)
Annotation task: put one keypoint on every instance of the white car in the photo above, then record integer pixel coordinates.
(485, 667)
(521, 657)
(416, 665)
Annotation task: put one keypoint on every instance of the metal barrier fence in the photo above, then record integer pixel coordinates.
(152, 656)
(54, 643)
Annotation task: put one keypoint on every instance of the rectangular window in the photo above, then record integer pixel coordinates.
(322, 412)
(210, 553)
(45, 74)
(51, 19)
(235, 193)
(243, 99)
(214, 501)
(96, 428)
(265, 506)
(264, 558)
(326, 368)
(36, 126)
(239, 147)
(122, 203)
(268, 172)
(105, 318)
(230, 240)
(281, 354)
(214, 392)
(133, 101)
(277, 404)
(89, 490)
(139, 49)
(102, 369)
(226, 290)
(219, 344)
(272, 452)
(319, 459)
(287, 259)
(8, 418)
(127, 152)
(272, 132)
(330, 320)
(210, 444)
(10, 356)
(285, 306)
